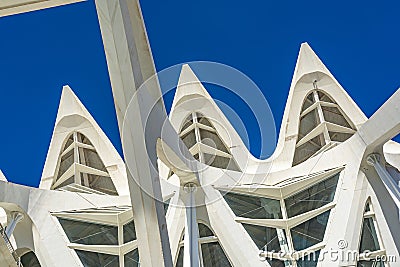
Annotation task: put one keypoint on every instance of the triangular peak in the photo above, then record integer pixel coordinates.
(308, 62)
(312, 82)
(2, 177)
(81, 153)
(188, 85)
(194, 111)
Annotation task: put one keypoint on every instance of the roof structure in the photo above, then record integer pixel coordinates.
(188, 192)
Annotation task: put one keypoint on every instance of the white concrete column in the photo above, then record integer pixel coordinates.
(391, 186)
(16, 217)
(191, 241)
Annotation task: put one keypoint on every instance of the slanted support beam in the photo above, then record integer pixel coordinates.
(12, 7)
(142, 121)
(383, 125)
(16, 217)
(130, 63)
(391, 186)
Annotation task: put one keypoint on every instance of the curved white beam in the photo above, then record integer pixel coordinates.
(12, 7)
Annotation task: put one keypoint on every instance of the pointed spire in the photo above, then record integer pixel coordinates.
(189, 84)
(308, 62)
(2, 177)
(73, 116)
(70, 104)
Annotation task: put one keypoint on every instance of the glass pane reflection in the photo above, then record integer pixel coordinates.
(91, 259)
(313, 197)
(310, 232)
(253, 207)
(89, 233)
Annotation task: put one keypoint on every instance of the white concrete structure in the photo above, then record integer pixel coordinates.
(189, 193)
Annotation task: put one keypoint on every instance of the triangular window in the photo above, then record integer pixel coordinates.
(81, 169)
(369, 240)
(202, 140)
(322, 126)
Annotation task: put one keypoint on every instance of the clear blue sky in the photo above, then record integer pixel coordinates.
(42, 51)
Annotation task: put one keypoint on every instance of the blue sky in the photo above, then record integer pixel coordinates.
(42, 51)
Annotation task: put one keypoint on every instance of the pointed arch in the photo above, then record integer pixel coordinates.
(369, 239)
(203, 141)
(80, 157)
(322, 125)
(81, 167)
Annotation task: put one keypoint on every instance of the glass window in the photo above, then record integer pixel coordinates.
(339, 137)
(253, 207)
(204, 231)
(189, 139)
(324, 98)
(313, 197)
(333, 115)
(311, 260)
(306, 150)
(265, 238)
(214, 255)
(70, 140)
(204, 121)
(275, 262)
(310, 232)
(83, 139)
(308, 101)
(166, 206)
(220, 162)
(89, 233)
(28, 260)
(367, 208)
(131, 259)
(70, 180)
(129, 232)
(100, 183)
(91, 158)
(66, 161)
(308, 122)
(369, 238)
(90, 259)
(213, 140)
(179, 261)
(371, 263)
(188, 121)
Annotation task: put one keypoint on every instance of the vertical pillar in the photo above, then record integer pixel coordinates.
(16, 217)
(391, 186)
(191, 242)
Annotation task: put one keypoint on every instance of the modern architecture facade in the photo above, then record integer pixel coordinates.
(188, 192)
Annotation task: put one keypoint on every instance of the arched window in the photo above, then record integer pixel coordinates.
(203, 141)
(370, 243)
(322, 126)
(80, 168)
(30, 260)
